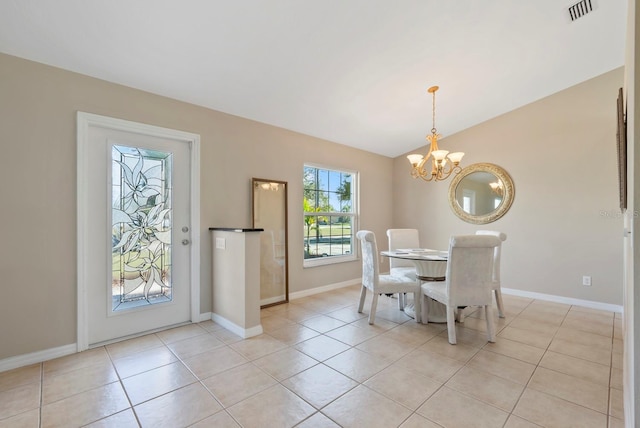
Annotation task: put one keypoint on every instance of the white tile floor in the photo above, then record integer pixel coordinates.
(320, 364)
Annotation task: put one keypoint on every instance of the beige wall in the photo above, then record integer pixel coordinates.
(38, 106)
(565, 221)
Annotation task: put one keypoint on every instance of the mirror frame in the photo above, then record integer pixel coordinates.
(507, 198)
(255, 183)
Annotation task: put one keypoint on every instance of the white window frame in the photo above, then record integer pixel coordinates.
(354, 214)
(469, 195)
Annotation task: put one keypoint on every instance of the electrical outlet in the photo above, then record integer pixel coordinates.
(221, 243)
(586, 280)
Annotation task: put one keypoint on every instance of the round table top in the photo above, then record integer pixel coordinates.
(418, 254)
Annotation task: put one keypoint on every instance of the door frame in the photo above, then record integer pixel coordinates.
(85, 121)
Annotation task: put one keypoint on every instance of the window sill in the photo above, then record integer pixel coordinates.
(323, 261)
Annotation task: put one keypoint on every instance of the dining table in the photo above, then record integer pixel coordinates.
(431, 265)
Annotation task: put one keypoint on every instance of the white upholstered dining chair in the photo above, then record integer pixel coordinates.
(496, 267)
(402, 238)
(380, 284)
(468, 280)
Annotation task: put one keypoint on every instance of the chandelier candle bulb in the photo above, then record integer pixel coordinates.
(456, 157)
(439, 155)
(415, 159)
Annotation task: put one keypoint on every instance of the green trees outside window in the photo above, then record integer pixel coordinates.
(329, 213)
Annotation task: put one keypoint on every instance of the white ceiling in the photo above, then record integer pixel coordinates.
(350, 71)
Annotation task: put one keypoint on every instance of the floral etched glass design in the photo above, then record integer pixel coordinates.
(141, 227)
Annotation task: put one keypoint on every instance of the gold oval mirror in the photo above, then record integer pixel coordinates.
(481, 193)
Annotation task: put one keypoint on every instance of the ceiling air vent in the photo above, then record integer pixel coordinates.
(580, 9)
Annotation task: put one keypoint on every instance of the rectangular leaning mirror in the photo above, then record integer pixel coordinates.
(270, 214)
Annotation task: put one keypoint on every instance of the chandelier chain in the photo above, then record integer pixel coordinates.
(433, 113)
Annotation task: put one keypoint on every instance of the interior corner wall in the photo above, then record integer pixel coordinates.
(565, 221)
(631, 319)
(38, 106)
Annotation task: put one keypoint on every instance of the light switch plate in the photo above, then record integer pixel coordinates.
(221, 243)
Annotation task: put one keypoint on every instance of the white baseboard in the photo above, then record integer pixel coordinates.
(530, 294)
(329, 287)
(61, 351)
(37, 357)
(204, 317)
(566, 300)
(271, 300)
(236, 329)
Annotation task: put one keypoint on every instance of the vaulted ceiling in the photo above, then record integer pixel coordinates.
(350, 71)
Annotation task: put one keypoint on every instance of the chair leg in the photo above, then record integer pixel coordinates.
(499, 302)
(417, 306)
(424, 308)
(451, 324)
(460, 315)
(374, 305)
(401, 301)
(491, 332)
(363, 295)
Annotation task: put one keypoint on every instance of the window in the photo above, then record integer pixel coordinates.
(329, 215)
(469, 201)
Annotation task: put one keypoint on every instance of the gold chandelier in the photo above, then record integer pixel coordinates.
(497, 187)
(443, 163)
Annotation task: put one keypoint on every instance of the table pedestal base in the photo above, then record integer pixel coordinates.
(437, 311)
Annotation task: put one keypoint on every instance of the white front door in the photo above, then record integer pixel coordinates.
(135, 225)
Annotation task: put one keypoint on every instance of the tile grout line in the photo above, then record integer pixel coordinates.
(536, 367)
(120, 381)
(380, 333)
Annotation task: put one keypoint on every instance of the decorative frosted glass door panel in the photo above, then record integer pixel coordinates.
(141, 220)
(136, 212)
